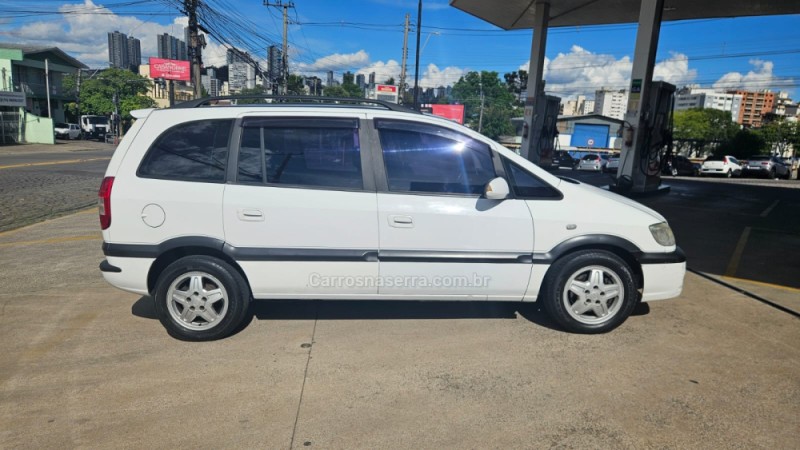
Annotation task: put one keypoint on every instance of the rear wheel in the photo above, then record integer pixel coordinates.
(591, 291)
(729, 173)
(201, 298)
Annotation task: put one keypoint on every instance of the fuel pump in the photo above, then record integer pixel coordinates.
(644, 153)
(543, 130)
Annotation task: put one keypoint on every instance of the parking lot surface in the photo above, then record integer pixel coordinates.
(86, 365)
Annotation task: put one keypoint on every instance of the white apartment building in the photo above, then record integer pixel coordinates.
(611, 103)
(578, 107)
(708, 98)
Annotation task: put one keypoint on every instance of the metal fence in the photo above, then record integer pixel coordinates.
(10, 129)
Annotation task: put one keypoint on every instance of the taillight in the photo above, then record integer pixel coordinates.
(104, 202)
(725, 159)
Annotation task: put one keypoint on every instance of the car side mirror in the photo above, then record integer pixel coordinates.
(497, 189)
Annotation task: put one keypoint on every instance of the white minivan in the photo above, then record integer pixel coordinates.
(206, 208)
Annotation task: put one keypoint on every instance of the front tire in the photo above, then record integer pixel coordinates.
(201, 298)
(589, 292)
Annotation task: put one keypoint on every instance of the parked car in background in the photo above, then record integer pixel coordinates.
(612, 165)
(766, 166)
(67, 131)
(562, 158)
(681, 165)
(725, 165)
(593, 161)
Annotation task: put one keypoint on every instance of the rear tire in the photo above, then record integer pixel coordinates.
(201, 298)
(589, 292)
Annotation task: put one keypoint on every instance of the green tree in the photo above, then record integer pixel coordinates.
(258, 90)
(348, 90)
(743, 145)
(97, 94)
(698, 130)
(498, 103)
(516, 83)
(295, 85)
(781, 135)
(390, 81)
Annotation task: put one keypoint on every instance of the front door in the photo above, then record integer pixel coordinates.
(439, 238)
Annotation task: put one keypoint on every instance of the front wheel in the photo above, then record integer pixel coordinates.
(729, 174)
(201, 298)
(591, 291)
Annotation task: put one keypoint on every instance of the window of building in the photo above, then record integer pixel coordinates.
(192, 151)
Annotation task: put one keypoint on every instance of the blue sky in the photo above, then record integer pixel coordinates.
(364, 36)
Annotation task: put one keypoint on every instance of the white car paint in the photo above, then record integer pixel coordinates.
(267, 217)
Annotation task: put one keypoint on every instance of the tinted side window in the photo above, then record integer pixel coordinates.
(526, 185)
(193, 151)
(322, 157)
(433, 160)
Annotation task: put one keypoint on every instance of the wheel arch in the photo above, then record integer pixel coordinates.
(212, 248)
(620, 247)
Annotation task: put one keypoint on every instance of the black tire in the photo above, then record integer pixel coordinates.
(674, 172)
(729, 174)
(571, 269)
(229, 311)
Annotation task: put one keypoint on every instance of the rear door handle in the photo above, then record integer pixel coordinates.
(251, 215)
(401, 221)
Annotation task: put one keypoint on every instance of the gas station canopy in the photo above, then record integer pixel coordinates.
(520, 14)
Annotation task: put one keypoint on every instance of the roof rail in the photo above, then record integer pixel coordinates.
(299, 99)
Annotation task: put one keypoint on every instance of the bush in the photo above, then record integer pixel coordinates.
(743, 145)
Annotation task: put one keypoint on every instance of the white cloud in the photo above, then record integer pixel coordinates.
(581, 72)
(84, 35)
(435, 77)
(386, 70)
(762, 77)
(336, 62)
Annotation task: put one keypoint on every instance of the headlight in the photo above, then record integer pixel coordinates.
(662, 233)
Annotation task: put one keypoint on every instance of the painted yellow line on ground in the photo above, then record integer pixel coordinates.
(761, 283)
(733, 265)
(771, 207)
(50, 163)
(57, 240)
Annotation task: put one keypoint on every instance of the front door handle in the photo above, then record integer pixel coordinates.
(401, 221)
(251, 215)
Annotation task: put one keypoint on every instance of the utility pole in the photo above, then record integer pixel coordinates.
(47, 85)
(195, 46)
(405, 57)
(416, 65)
(480, 118)
(285, 56)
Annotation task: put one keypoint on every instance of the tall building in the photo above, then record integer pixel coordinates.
(611, 103)
(274, 63)
(693, 97)
(330, 78)
(134, 53)
(371, 80)
(314, 85)
(170, 47)
(753, 107)
(361, 80)
(578, 107)
(241, 71)
(118, 50)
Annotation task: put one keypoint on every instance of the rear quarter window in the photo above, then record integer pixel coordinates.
(191, 151)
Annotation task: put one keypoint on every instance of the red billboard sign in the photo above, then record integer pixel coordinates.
(386, 88)
(170, 69)
(452, 112)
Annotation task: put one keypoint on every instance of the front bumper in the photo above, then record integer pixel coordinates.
(663, 275)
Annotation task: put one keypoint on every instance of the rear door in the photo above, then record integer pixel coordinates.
(439, 238)
(301, 216)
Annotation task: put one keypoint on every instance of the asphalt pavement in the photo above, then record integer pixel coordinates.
(86, 365)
